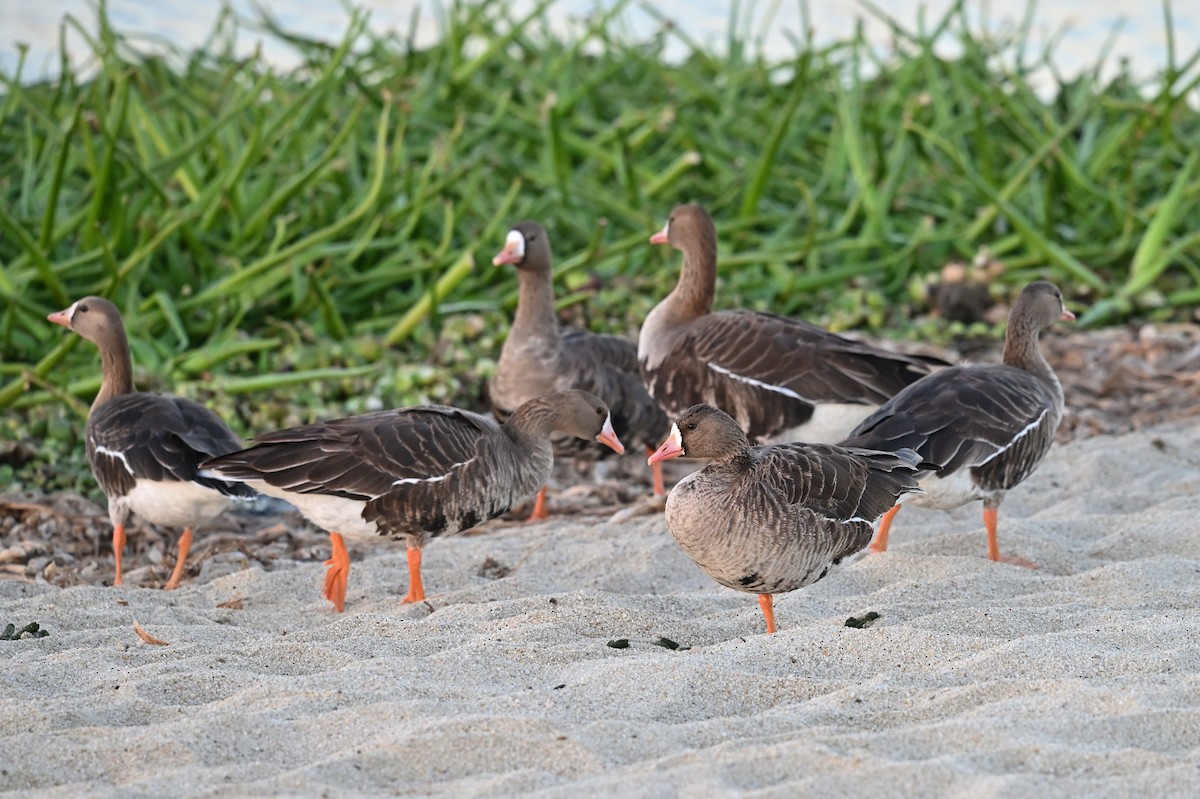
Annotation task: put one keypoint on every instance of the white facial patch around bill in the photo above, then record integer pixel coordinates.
(676, 436)
(514, 242)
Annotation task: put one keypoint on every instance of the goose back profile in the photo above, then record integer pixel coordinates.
(413, 473)
(779, 377)
(145, 449)
(539, 357)
(985, 427)
(773, 518)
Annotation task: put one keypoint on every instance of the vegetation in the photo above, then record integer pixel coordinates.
(317, 241)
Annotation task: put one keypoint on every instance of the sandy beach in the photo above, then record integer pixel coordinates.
(978, 680)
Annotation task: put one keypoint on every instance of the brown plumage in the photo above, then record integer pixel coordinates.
(413, 473)
(538, 357)
(771, 519)
(144, 449)
(769, 372)
(985, 427)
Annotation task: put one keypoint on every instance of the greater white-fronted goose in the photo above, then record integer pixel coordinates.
(986, 427)
(538, 357)
(144, 449)
(414, 473)
(781, 378)
(774, 518)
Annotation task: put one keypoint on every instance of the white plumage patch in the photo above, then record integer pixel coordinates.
(112, 453)
(1028, 428)
(174, 504)
(516, 242)
(787, 392)
(676, 436)
(437, 479)
(330, 513)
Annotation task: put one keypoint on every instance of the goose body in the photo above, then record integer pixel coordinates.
(984, 427)
(414, 473)
(780, 378)
(539, 357)
(773, 518)
(145, 449)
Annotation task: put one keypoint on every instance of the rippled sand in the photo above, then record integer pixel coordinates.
(1079, 679)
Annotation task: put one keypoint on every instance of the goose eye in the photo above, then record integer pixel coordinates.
(82, 308)
(690, 425)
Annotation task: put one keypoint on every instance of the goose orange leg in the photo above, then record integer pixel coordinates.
(118, 548)
(767, 605)
(990, 522)
(416, 590)
(881, 537)
(656, 470)
(337, 573)
(185, 545)
(539, 512)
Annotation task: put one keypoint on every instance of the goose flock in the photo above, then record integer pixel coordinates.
(811, 440)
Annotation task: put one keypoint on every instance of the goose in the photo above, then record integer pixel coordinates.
(781, 378)
(539, 357)
(772, 518)
(414, 473)
(144, 449)
(984, 428)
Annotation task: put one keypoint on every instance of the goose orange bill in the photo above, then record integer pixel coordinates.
(514, 249)
(62, 317)
(671, 448)
(608, 437)
(661, 236)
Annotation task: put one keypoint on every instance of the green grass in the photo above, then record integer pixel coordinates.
(323, 236)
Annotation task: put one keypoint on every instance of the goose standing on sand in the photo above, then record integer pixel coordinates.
(414, 473)
(774, 518)
(985, 427)
(778, 377)
(538, 357)
(144, 448)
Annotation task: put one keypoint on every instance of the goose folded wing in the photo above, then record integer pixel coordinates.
(840, 484)
(156, 437)
(959, 417)
(800, 360)
(361, 457)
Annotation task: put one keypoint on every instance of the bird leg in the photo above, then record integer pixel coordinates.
(656, 470)
(881, 537)
(118, 548)
(990, 521)
(768, 611)
(539, 512)
(185, 545)
(416, 590)
(337, 573)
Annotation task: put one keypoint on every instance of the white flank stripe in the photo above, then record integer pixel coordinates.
(438, 479)
(1035, 423)
(787, 392)
(112, 453)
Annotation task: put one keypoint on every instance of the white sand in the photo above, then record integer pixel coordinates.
(979, 680)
